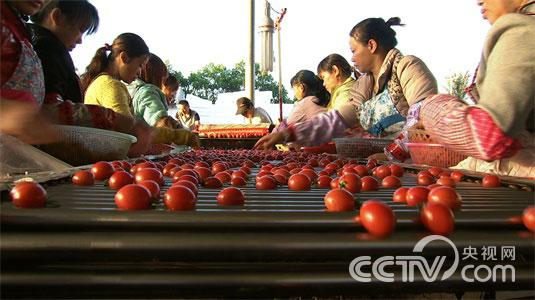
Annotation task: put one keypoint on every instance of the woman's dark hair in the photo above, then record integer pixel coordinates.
(327, 64)
(130, 43)
(171, 82)
(313, 86)
(154, 71)
(378, 30)
(77, 12)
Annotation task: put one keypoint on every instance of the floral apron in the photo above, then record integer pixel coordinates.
(380, 117)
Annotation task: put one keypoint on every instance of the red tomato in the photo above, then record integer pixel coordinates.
(299, 182)
(350, 182)
(283, 172)
(391, 182)
(417, 195)
(491, 181)
(446, 196)
(28, 195)
(153, 187)
(396, 170)
(120, 179)
(239, 174)
(446, 181)
(281, 179)
(438, 218)
(425, 180)
(218, 167)
(528, 218)
(266, 183)
(223, 176)
(444, 174)
(188, 184)
(361, 170)
(133, 197)
(238, 181)
(295, 171)
(102, 170)
(337, 200)
(324, 181)
(424, 172)
(382, 172)
(173, 171)
(457, 176)
(434, 185)
(331, 166)
(369, 184)
(246, 170)
(378, 218)
(203, 173)
(312, 175)
(83, 178)
(231, 196)
(178, 175)
(179, 197)
(212, 183)
(400, 195)
(146, 164)
(167, 169)
(348, 171)
(313, 162)
(201, 164)
(187, 167)
(435, 171)
(149, 174)
(335, 183)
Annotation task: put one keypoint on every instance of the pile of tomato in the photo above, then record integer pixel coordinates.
(140, 185)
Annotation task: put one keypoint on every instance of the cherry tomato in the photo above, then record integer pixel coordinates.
(282, 172)
(350, 182)
(311, 174)
(361, 170)
(178, 175)
(212, 183)
(281, 179)
(153, 187)
(425, 180)
(246, 170)
(266, 183)
(396, 170)
(528, 218)
(133, 197)
(338, 200)
(434, 185)
(417, 195)
(446, 181)
(240, 174)
(324, 182)
(391, 182)
(491, 181)
(400, 195)
(438, 218)
(231, 196)
(218, 167)
(83, 178)
(446, 196)
(179, 197)
(238, 181)
(457, 176)
(424, 173)
(102, 170)
(299, 182)
(382, 172)
(369, 184)
(167, 169)
(190, 185)
(28, 195)
(378, 218)
(201, 164)
(187, 167)
(203, 173)
(149, 174)
(120, 179)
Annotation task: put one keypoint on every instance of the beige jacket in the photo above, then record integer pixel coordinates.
(412, 82)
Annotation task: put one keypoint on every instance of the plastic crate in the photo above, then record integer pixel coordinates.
(434, 155)
(85, 145)
(360, 147)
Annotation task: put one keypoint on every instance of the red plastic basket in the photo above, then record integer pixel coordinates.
(360, 147)
(434, 155)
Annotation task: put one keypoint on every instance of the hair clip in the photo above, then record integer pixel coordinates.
(107, 47)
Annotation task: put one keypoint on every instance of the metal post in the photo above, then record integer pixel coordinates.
(249, 65)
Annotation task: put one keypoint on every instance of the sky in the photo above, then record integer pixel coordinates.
(447, 35)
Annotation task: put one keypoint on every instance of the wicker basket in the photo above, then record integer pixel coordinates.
(434, 155)
(85, 145)
(360, 147)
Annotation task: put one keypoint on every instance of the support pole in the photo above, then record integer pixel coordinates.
(249, 65)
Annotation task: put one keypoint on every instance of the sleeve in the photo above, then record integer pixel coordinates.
(466, 129)
(116, 98)
(416, 79)
(319, 130)
(149, 105)
(507, 90)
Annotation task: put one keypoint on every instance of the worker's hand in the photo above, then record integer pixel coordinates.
(194, 141)
(23, 121)
(145, 136)
(269, 141)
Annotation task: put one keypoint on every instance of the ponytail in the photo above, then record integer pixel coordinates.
(394, 21)
(98, 64)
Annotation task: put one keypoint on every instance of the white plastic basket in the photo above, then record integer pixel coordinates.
(85, 145)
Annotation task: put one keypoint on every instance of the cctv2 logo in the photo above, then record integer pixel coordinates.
(429, 272)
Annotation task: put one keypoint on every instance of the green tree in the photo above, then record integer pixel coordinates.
(457, 83)
(265, 82)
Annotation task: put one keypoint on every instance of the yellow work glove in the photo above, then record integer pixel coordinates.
(176, 136)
